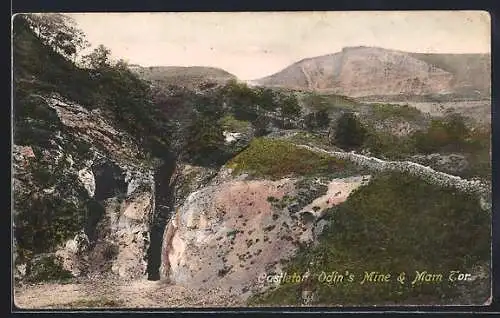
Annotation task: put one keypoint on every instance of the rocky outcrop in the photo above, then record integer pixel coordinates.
(338, 191)
(228, 233)
(101, 170)
(366, 71)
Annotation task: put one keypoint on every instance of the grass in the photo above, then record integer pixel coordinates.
(394, 224)
(229, 123)
(49, 268)
(319, 101)
(386, 111)
(303, 137)
(276, 159)
(184, 76)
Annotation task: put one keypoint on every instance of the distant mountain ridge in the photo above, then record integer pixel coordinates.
(366, 71)
(188, 76)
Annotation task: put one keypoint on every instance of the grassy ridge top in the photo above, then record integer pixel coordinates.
(277, 159)
(188, 76)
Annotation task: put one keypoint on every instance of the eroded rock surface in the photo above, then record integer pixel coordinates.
(228, 234)
(99, 173)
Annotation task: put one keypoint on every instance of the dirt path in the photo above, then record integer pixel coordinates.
(127, 294)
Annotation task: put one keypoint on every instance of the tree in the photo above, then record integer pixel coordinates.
(447, 134)
(289, 108)
(99, 58)
(242, 99)
(205, 140)
(456, 127)
(265, 98)
(58, 31)
(261, 124)
(350, 132)
(317, 120)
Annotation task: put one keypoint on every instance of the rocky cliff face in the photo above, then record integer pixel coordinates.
(103, 177)
(230, 232)
(366, 71)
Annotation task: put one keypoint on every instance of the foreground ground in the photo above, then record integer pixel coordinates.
(122, 294)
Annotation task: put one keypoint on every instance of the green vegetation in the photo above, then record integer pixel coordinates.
(448, 135)
(276, 159)
(57, 31)
(243, 100)
(478, 153)
(386, 111)
(50, 204)
(45, 221)
(229, 123)
(381, 144)
(317, 120)
(304, 137)
(328, 102)
(451, 135)
(281, 204)
(349, 132)
(48, 268)
(40, 68)
(249, 103)
(289, 108)
(397, 223)
(205, 141)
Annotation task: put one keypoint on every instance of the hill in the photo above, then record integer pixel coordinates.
(189, 76)
(124, 196)
(367, 71)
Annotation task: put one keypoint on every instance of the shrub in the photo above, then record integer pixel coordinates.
(317, 120)
(47, 268)
(229, 123)
(205, 141)
(381, 144)
(443, 135)
(385, 111)
(350, 132)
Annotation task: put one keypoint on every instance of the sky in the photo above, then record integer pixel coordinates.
(252, 45)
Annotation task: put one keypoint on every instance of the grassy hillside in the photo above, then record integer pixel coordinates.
(277, 159)
(395, 224)
(326, 101)
(190, 77)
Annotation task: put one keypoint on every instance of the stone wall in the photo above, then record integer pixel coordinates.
(430, 175)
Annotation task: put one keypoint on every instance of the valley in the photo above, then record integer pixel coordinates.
(173, 187)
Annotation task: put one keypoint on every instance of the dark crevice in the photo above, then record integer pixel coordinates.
(164, 202)
(95, 212)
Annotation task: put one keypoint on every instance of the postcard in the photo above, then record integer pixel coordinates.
(251, 159)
